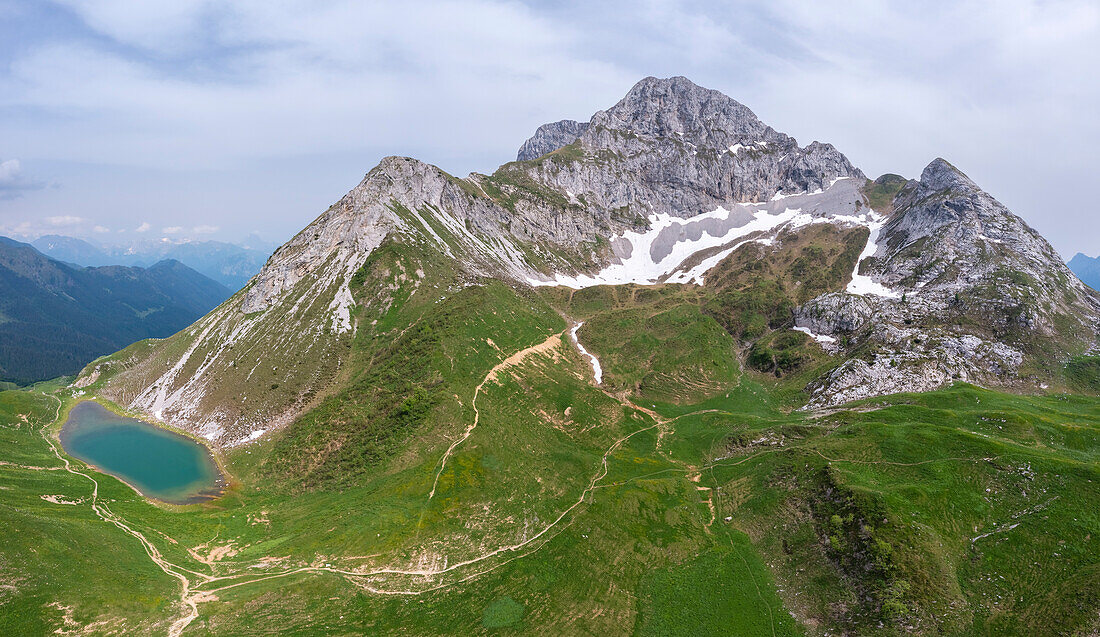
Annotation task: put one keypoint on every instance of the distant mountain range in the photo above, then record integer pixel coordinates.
(1087, 269)
(56, 317)
(230, 264)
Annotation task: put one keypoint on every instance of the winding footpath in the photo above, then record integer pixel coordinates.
(551, 343)
(197, 587)
(105, 514)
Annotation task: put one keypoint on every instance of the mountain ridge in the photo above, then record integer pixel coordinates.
(230, 264)
(664, 186)
(606, 390)
(1086, 268)
(59, 317)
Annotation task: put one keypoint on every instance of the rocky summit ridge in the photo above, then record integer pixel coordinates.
(666, 186)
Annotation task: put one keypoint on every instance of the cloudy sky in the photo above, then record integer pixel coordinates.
(189, 118)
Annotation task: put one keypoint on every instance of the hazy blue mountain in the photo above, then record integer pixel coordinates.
(55, 317)
(73, 250)
(1087, 269)
(227, 263)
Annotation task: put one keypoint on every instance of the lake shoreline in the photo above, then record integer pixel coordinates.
(201, 459)
(216, 452)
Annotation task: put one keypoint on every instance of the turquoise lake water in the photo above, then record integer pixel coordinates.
(160, 464)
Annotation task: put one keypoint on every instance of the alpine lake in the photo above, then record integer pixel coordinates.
(158, 463)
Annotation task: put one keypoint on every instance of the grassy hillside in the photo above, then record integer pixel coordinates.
(470, 478)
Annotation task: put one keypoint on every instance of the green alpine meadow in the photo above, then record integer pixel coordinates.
(669, 372)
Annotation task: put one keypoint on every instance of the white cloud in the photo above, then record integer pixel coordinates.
(196, 85)
(144, 227)
(10, 171)
(101, 229)
(333, 78)
(62, 221)
(23, 229)
(204, 229)
(172, 230)
(13, 182)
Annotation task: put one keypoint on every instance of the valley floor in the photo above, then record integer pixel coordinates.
(679, 496)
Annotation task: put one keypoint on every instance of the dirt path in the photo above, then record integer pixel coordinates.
(551, 343)
(196, 588)
(199, 587)
(431, 572)
(154, 554)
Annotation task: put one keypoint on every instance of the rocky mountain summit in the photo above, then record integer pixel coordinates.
(671, 147)
(973, 290)
(550, 137)
(670, 185)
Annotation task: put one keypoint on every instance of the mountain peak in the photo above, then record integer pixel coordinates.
(665, 108)
(677, 106)
(941, 174)
(550, 137)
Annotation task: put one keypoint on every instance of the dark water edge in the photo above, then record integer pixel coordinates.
(158, 463)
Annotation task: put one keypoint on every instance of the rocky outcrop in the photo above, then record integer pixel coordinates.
(951, 285)
(835, 314)
(972, 287)
(917, 369)
(672, 147)
(550, 137)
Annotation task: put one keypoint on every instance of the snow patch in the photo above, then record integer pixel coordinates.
(862, 284)
(695, 274)
(597, 370)
(738, 147)
(639, 264)
(820, 338)
(662, 252)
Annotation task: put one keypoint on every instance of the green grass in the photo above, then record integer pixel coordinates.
(1083, 374)
(502, 613)
(657, 344)
(880, 193)
(709, 591)
(59, 558)
(890, 517)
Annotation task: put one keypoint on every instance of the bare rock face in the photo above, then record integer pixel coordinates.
(672, 147)
(550, 137)
(951, 285)
(972, 287)
(951, 242)
(354, 226)
(945, 360)
(835, 314)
